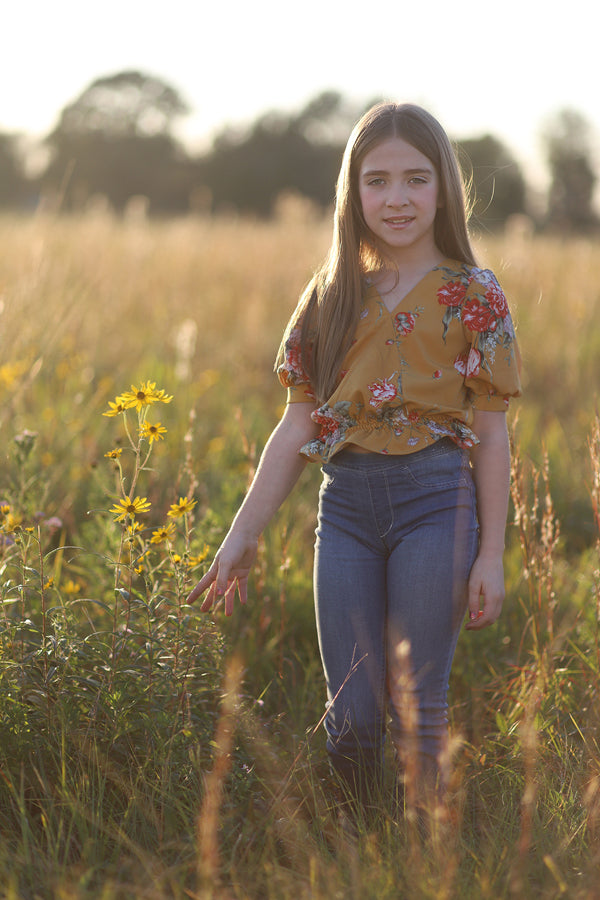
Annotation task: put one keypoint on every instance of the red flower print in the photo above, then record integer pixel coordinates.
(293, 358)
(460, 363)
(495, 297)
(381, 390)
(478, 317)
(473, 363)
(404, 322)
(468, 363)
(329, 424)
(437, 374)
(452, 294)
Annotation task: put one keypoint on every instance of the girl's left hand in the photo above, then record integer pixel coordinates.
(486, 592)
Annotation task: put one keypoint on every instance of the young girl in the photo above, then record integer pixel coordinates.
(399, 362)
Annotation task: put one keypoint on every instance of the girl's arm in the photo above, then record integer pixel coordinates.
(278, 470)
(491, 471)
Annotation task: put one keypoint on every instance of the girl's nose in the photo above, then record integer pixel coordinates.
(397, 198)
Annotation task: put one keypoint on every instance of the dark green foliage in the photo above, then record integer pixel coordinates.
(498, 185)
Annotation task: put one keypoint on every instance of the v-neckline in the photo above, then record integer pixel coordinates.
(425, 275)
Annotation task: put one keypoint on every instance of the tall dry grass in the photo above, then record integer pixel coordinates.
(146, 751)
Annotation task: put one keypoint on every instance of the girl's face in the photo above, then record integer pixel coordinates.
(399, 190)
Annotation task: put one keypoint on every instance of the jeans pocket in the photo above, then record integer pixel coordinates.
(448, 468)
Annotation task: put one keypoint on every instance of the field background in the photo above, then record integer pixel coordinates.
(149, 751)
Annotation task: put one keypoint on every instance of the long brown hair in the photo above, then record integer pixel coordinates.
(329, 308)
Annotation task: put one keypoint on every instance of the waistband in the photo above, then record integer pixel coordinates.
(346, 459)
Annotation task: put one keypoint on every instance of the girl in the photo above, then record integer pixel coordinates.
(399, 361)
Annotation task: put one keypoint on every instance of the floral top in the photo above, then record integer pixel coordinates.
(416, 374)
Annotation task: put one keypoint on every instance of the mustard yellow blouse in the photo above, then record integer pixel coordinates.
(417, 373)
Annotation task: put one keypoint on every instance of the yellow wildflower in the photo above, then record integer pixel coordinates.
(165, 533)
(152, 432)
(162, 397)
(141, 396)
(199, 558)
(183, 506)
(130, 507)
(114, 454)
(116, 408)
(71, 588)
(11, 523)
(11, 372)
(133, 528)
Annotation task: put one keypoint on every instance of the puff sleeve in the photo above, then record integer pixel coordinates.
(291, 373)
(492, 364)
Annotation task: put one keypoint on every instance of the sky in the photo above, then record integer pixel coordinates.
(480, 67)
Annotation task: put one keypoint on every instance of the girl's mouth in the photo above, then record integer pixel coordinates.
(399, 220)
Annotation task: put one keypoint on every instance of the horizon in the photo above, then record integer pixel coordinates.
(477, 72)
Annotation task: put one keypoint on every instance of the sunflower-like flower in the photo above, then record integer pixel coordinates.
(194, 561)
(183, 506)
(162, 534)
(71, 588)
(11, 523)
(144, 395)
(152, 432)
(130, 507)
(114, 454)
(116, 408)
(162, 397)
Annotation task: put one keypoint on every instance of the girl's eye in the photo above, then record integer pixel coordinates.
(417, 179)
(375, 181)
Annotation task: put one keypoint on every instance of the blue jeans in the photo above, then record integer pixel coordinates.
(396, 539)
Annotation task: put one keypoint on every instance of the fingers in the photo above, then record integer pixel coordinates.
(475, 591)
(486, 593)
(220, 586)
(216, 580)
(209, 600)
(203, 584)
(230, 597)
(215, 595)
(484, 608)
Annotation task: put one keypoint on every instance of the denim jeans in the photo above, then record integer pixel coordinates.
(395, 541)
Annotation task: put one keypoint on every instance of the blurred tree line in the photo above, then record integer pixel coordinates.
(116, 141)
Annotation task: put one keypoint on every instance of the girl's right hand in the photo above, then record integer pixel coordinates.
(229, 572)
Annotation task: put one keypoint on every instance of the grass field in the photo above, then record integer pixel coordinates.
(149, 751)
